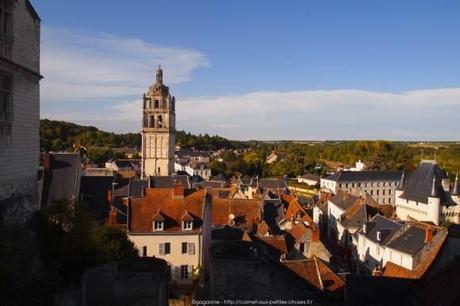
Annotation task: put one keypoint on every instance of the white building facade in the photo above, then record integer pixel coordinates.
(19, 109)
(427, 195)
(380, 185)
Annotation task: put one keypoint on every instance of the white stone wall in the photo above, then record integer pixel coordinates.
(175, 259)
(372, 254)
(19, 151)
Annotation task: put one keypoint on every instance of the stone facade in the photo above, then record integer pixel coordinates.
(19, 110)
(158, 129)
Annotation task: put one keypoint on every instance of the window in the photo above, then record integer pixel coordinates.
(187, 225)
(184, 272)
(144, 251)
(158, 225)
(184, 247)
(191, 248)
(165, 248)
(302, 247)
(6, 113)
(5, 28)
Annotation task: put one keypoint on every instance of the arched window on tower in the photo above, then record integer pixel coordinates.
(163, 104)
(149, 121)
(152, 121)
(160, 121)
(156, 104)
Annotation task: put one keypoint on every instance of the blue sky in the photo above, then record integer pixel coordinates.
(259, 69)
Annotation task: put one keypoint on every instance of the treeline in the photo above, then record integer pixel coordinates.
(317, 158)
(64, 136)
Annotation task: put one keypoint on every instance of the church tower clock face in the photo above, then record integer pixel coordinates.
(158, 129)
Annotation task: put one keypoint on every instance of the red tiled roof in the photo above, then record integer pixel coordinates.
(262, 228)
(316, 272)
(294, 207)
(276, 243)
(246, 212)
(143, 210)
(306, 269)
(298, 231)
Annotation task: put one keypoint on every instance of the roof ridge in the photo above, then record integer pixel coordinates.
(318, 273)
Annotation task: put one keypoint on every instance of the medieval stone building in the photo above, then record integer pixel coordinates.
(19, 108)
(158, 129)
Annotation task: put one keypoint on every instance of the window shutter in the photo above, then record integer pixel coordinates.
(190, 270)
(162, 248)
(176, 274)
(191, 249)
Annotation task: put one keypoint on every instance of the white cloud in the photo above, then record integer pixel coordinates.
(80, 69)
(89, 66)
(316, 115)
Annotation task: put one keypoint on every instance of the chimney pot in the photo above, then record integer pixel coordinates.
(428, 234)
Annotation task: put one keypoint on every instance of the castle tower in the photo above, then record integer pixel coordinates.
(158, 129)
(434, 204)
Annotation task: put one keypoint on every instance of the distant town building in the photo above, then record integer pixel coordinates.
(309, 179)
(380, 185)
(158, 129)
(273, 157)
(199, 169)
(19, 109)
(427, 195)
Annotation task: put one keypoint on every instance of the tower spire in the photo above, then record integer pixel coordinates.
(159, 75)
(402, 182)
(434, 190)
(456, 190)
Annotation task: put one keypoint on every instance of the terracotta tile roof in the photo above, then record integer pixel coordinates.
(316, 272)
(262, 228)
(294, 208)
(298, 231)
(246, 212)
(277, 244)
(394, 270)
(143, 210)
(331, 281)
(306, 269)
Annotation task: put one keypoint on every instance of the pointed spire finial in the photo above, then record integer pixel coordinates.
(434, 190)
(159, 74)
(402, 182)
(456, 190)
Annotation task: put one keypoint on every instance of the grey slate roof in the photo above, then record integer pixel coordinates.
(419, 184)
(387, 228)
(94, 192)
(410, 241)
(62, 178)
(168, 181)
(362, 176)
(272, 184)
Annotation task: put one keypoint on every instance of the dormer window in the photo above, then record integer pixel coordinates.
(158, 225)
(187, 221)
(187, 225)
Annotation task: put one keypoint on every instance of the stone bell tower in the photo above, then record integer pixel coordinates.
(158, 129)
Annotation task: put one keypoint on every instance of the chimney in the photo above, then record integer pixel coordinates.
(315, 233)
(109, 196)
(377, 271)
(364, 228)
(428, 234)
(47, 161)
(179, 190)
